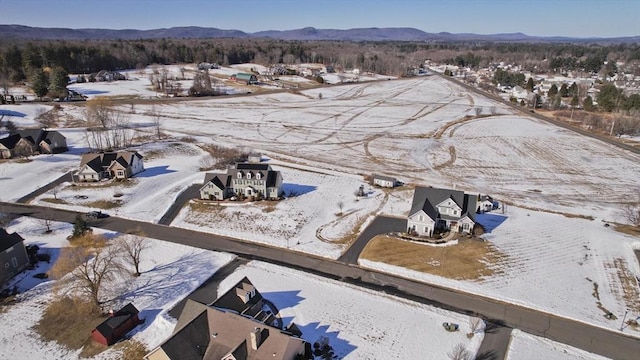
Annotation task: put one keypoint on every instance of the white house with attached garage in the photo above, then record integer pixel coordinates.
(245, 179)
(436, 210)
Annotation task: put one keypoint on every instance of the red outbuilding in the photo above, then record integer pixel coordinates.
(116, 326)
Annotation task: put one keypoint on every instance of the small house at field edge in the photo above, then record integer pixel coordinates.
(116, 326)
(249, 79)
(13, 255)
(384, 181)
(441, 209)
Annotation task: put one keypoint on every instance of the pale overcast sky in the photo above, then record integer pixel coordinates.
(577, 18)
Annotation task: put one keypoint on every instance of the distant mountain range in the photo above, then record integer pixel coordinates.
(308, 33)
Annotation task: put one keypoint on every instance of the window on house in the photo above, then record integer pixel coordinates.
(258, 176)
(248, 175)
(455, 212)
(465, 227)
(421, 219)
(239, 175)
(14, 261)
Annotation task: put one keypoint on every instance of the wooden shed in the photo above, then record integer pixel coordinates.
(116, 326)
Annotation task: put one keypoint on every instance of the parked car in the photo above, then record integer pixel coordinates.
(96, 215)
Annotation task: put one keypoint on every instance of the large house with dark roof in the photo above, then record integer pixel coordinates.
(32, 141)
(244, 179)
(441, 209)
(109, 165)
(13, 255)
(230, 329)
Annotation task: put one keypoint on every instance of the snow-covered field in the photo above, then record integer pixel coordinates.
(525, 346)
(423, 131)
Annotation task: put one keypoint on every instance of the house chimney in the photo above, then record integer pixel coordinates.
(255, 338)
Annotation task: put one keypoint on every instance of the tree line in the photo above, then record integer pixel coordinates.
(19, 58)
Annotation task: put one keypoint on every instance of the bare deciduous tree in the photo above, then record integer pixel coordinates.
(46, 221)
(340, 205)
(156, 119)
(474, 326)
(90, 264)
(108, 128)
(459, 352)
(133, 246)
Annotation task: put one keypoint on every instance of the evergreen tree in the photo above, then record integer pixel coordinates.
(573, 89)
(574, 101)
(59, 81)
(80, 227)
(39, 83)
(564, 90)
(553, 91)
(530, 84)
(610, 97)
(588, 103)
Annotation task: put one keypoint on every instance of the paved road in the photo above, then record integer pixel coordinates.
(606, 342)
(189, 193)
(45, 187)
(379, 225)
(495, 344)
(526, 111)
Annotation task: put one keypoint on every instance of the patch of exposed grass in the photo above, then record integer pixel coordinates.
(628, 284)
(627, 229)
(132, 350)
(54, 201)
(23, 160)
(205, 207)
(104, 204)
(69, 321)
(467, 260)
(106, 184)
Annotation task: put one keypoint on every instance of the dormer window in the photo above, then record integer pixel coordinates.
(258, 176)
(248, 175)
(239, 175)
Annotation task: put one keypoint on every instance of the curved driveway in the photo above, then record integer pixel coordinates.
(599, 340)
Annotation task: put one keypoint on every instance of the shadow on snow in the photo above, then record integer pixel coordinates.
(490, 221)
(297, 189)
(5, 112)
(155, 171)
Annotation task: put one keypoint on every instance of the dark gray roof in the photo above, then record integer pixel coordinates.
(272, 178)
(10, 141)
(253, 166)
(426, 198)
(108, 327)
(8, 240)
(222, 181)
(230, 300)
(190, 342)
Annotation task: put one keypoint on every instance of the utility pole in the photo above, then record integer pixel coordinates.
(623, 318)
(611, 131)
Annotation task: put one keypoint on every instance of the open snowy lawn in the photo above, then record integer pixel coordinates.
(309, 219)
(360, 324)
(169, 273)
(525, 346)
(553, 264)
(19, 178)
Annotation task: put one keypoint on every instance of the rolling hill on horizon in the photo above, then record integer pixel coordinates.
(304, 34)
